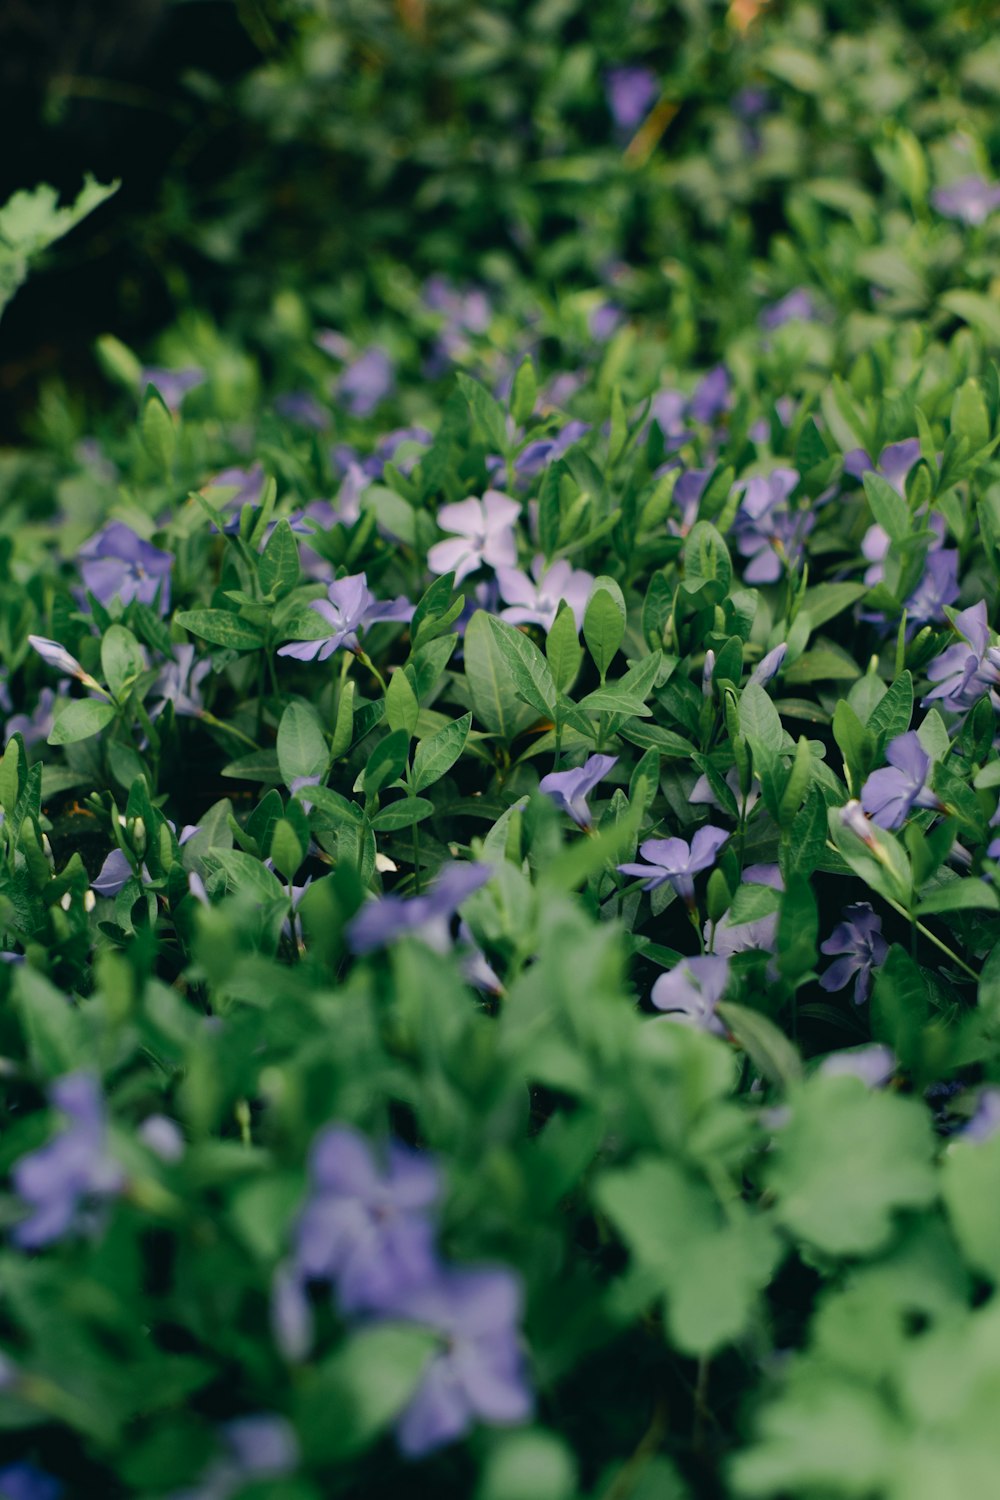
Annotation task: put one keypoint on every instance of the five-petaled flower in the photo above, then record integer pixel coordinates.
(767, 529)
(382, 921)
(970, 200)
(64, 1181)
(890, 794)
(478, 1373)
(860, 947)
(690, 992)
(116, 563)
(676, 861)
(535, 600)
(349, 606)
(964, 672)
(483, 533)
(568, 789)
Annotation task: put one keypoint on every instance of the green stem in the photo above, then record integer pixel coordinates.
(366, 660)
(228, 728)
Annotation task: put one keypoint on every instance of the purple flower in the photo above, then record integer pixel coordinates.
(366, 382)
(178, 683)
(381, 922)
(603, 321)
(302, 406)
(962, 673)
(873, 1064)
(859, 942)
(668, 410)
(26, 1482)
(568, 789)
(742, 937)
(117, 563)
(677, 862)
(163, 1137)
(938, 587)
(701, 794)
(35, 728)
(630, 93)
(58, 657)
(483, 534)
(767, 529)
(535, 600)
(690, 992)
(478, 1373)
(894, 463)
(114, 874)
(796, 306)
(62, 1181)
(366, 1228)
(536, 456)
(687, 497)
(173, 385)
(349, 607)
(239, 487)
(711, 396)
(971, 200)
(769, 666)
(258, 1447)
(889, 795)
(985, 1121)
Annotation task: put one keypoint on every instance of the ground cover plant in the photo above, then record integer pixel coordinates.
(500, 844)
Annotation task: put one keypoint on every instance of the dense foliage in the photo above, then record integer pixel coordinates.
(499, 855)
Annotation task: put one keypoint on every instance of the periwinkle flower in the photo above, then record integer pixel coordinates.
(985, 1121)
(937, 588)
(687, 497)
(860, 947)
(668, 410)
(690, 992)
(478, 1373)
(535, 600)
(24, 1481)
(971, 200)
(874, 1064)
(569, 789)
(631, 93)
(483, 533)
(303, 407)
(767, 530)
(261, 1446)
(366, 1227)
(964, 672)
(603, 321)
(676, 861)
(366, 382)
(62, 1182)
(179, 683)
(537, 455)
(163, 1137)
(350, 606)
(769, 666)
(894, 463)
(54, 655)
(890, 794)
(116, 563)
(114, 875)
(760, 935)
(35, 728)
(173, 385)
(796, 306)
(380, 922)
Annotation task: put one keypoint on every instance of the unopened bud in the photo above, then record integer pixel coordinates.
(707, 673)
(852, 817)
(47, 850)
(139, 835)
(89, 901)
(66, 900)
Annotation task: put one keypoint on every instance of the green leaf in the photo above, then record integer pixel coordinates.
(824, 662)
(401, 707)
(156, 427)
(563, 650)
(58, 1040)
(798, 931)
(827, 600)
(969, 417)
(79, 718)
(604, 623)
(837, 1127)
(971, 894)
(487, 412)
(976, 309)
(302, 747)
(402, 814)
(527, 666)
(759, 720)
(528, 1465)
(435, 756)
(888, 507)
(367, 1383)
(525, 391)
(31, 220)
(767, 1047)
(286, 849)
(221, 628)
(257, 765)
(386, 762)
(710, 1266)
(234, 871)
(278, 568)
(122, 660)
(495, 702)
(706, 559)
(969, 1188)
(892, 714)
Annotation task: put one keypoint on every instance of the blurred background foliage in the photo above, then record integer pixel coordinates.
(290, 160)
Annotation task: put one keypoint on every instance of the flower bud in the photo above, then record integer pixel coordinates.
(708, 672)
